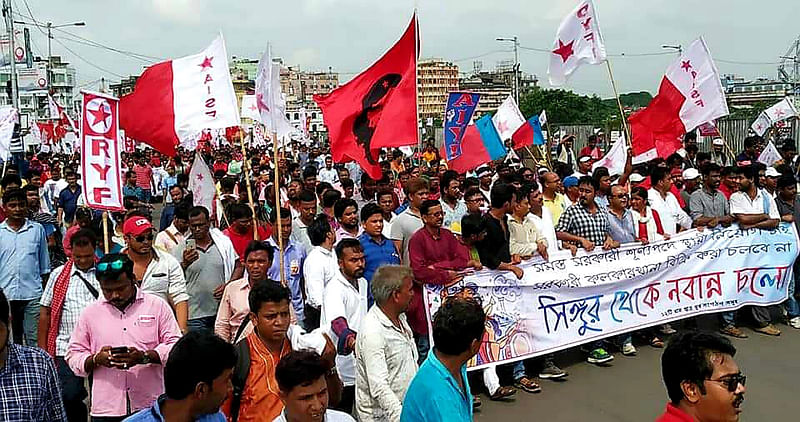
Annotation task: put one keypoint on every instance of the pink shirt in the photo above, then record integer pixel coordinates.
(146, 324)
(233, 309)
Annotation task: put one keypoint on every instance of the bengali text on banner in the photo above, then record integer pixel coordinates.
(569, 300)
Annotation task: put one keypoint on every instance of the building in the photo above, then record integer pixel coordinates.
(746, 93)
(495, 85)
(32, 83)
(436, 79)
(123, 87)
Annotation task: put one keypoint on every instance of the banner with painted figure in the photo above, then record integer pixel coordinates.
(570, 300)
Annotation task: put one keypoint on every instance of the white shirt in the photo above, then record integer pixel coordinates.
(164, 278)
(342, 300)
(77, 298)
(319, 268)
(741, 204)
(669, 210)
(545, 226)
(328, 175)
(330, 416)
(386, 362)
(165, 242)
(387, 228)
(300, 234)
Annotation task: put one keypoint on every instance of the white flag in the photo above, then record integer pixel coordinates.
(783, 110)
(270, 102)
(201, 184)
(55, 109)
(249, 108)
(8, 118)
(543, 118)
(507, 119)
(615, 158)
(761, 124)
(578, 41)
(770, 155)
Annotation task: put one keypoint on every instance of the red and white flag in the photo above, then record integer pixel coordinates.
(690, 94)
(269, 100)
(249, 108)
(507, 119)
(201, 184)
(709, 129)
(615, 158)
(101, 177)
(762, 124)
(175, 100)
(578, 41)
(782, 110)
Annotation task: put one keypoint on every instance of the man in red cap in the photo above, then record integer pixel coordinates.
(156, 272)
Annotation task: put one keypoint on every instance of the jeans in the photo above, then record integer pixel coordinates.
(25, 321)
(791, 305)
(423, 346)
(108, 418)
(73, 392)
(728, 319)
(519, 370)
(146, 195)
(201, 324)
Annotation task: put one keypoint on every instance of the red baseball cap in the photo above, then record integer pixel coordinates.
(135, 226)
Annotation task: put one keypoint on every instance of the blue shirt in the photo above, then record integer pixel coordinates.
(167, 215)
(293, 257)
(25, 259)
(622, 230)
(153, 414)
(29, 386)
(69, 202)
(434, 395)
(375, 255)
(133, 191)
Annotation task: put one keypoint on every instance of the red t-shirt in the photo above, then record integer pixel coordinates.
(673, 414)
(725, 191)
(143, 176)
(240, 241)
(220, 165)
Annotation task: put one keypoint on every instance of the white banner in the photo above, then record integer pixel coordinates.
(770, 155)
(101, 177)
(569, 300)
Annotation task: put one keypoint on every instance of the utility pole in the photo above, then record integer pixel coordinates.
(10, 30)
(515, 40)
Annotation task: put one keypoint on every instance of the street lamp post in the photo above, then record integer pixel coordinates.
(515, 40)
(49, 26)
(678, 48)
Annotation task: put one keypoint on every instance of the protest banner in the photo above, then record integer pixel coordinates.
(570, 301)
(100, 156)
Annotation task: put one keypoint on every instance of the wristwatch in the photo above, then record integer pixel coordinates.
(145, 358)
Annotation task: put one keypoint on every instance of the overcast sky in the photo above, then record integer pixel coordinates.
(348, 35)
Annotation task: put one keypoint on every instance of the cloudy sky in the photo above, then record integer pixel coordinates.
(348, 35)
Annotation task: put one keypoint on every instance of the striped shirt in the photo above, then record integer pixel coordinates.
(144, 175)
(77, 299)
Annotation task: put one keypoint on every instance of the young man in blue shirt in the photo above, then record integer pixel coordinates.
(378, 250)
(440, 390)
(197, 379)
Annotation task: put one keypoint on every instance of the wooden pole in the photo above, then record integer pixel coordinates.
(619, 104)
(245, 168)
(278, 224)
(548, 153)
(727, 148)
(106, 242)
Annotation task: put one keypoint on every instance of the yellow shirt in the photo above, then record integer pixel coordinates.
(556, 206)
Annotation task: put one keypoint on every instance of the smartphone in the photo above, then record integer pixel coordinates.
(119, 350)
(191, 244)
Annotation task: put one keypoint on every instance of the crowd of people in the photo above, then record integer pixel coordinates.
(308, 306)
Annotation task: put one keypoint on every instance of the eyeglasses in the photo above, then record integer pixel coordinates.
(115, 265)
(732, 382)
(475, 200)
(142, 238)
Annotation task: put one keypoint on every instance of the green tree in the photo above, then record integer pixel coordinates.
(566, 107)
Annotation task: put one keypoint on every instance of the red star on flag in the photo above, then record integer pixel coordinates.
(100, 115)
(199, 177)
(206, 63)
(686, 65)
(261, 104)
(564, 50)
(502, 126)
(779, 112)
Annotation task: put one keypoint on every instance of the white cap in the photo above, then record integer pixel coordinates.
(771, 172)
(585, 158)
(636, 178)
(718, 141)
(690, 174)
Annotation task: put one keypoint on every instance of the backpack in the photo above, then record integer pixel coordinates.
(240, 371)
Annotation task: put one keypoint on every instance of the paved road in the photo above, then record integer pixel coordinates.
(631, 388)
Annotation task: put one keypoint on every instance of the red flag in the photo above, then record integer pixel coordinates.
(377, 109)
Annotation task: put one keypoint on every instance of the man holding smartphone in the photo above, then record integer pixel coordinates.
(122, 340)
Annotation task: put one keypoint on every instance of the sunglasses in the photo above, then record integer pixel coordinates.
(732, 382)
(142, 238)
(115, 265)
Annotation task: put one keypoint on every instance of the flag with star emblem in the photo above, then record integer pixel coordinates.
(762, 124)
(376, 109)
(270, 103)
(175, 100)
(101, 174)
(578, 41)
(249, 108)
(780, 111)
(690, 94)
(201, 184)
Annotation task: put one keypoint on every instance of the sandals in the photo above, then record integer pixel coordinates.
(528, 385)
(476, 402)
(502, 393)
(657, 343)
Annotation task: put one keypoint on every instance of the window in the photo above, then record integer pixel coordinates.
(314, 115)
(297, 116)
(314, 127)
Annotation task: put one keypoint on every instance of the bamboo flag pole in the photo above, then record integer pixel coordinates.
(619, 104)
(106, 243)
(548, 145)
(245, 171)
(276, 183)
(731, 155)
